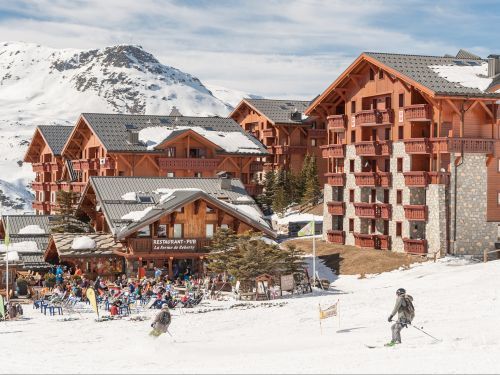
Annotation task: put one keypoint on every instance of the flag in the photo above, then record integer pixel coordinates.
(328, 312)
(93, 300)
(6, 241)
(308, 230)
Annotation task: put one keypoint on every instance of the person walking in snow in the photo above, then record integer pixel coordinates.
(162, 321)
(406, 312)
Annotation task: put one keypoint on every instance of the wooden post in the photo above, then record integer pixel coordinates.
(170, 268)
(485, 255)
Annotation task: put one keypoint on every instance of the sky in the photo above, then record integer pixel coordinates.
(274, 48)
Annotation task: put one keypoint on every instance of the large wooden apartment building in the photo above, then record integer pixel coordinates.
(64, 158)
(413, 153)
(283, 128)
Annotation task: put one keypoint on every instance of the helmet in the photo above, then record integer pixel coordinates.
(164, 306)
(400, 291)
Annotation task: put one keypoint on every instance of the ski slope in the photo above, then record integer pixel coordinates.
(455, 301)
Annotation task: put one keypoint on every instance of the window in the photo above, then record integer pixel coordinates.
(353, 136)
(401, 100)
(170, 151)
(372, 75)
(399, 229)
(53, 197)
(387, 134)
(209, 231)
(351, 225)
(380, 74)
(386, 195)
(313, 142)
(144, 232)
(162, 230)
(399, 196)
(170, 174)
(351, 195)
(372, 226)
(146, 199)
(387, 165)
(209, 210)
(400, 165)
(178, 230)
(353, 106)
(180, 209)
(197, 174)
(400, 132)
(351, 166)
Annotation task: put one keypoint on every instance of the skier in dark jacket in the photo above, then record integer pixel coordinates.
(405, 310)
(161, 322)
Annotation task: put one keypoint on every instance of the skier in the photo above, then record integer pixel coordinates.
(161, 322)
(406, 312)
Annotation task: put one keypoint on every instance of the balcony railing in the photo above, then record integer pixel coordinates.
(374, 117)
(337, 122)
(254, 189)
(372, 241)
(418, 146)
(383, 179)
(382, 242)
(441, 178)
(416, 178)
(373, 148)
(333, 151)
(336, 208)
(415, 246)
(471, 145)
(268, 133)
(336, 236)
(256, 166)
(335, 179)
(373, 210)
(415, 212)
(196, 164)
(41, 206)
(41, 167)
(168, 245)
(85, 164)
(270, 167)
(316, 133)
(40, 186)
(418, 112)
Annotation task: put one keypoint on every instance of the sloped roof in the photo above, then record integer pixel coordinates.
(34, 261)
(56, 136)
(424, 70)
(105, 244)
(279, 111)
(463, 54)
(168, 194)
(113, 129)
(18, 222)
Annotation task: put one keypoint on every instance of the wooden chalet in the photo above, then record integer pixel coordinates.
(283, 128)
(413, 153)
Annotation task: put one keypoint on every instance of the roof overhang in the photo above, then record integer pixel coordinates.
(76, 129)
(244, 102)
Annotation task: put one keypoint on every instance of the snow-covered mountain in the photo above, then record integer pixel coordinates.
(41, 85)
(229, 96)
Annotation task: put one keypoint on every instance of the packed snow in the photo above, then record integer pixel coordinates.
(83, 243)
(236, 141)
(468, 76)
(22, 247)
(296, 218)
(455, 302)
(136, 215)
(229, 96)
(13, 256)
(32, 229)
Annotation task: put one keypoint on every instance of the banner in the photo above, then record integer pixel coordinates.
(329, 312)
(308, 230)
(93, 300)
(2, 308)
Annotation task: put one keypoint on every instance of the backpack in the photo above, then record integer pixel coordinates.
(165, 319)
(409, 308)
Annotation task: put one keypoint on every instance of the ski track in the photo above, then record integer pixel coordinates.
(455, 301)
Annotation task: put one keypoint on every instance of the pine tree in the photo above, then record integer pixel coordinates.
(304, 174)
(67, 217)
(292, 260)
(223, 242)
(280, 202)
(266, 198)
(312, 191)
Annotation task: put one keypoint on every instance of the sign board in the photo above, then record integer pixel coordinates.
(287, 283)
(174, 244)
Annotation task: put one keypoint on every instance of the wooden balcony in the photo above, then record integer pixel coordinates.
(418, 146)
(415, 212)
(335, 179)
(415, 246)
(336, 236)
(268, 133)
(41, 167)
(256, 166)
(418, 112)
(372, 179)
(382, 242)
(41, 206)
(336, 208)
(161, 246)
(333, 151)
(440, 178)
(194, 164)
(374, 117)
(85, 164)
(416, 178)
(316, 133)
(268, 167)
(373, 148)
(364, 240)
(107, 163)
(471, 145)
(337, 122)
(40, 186)
(384, 211)
(373, 210)
(78, 187)
(253, 189)
(285, 150)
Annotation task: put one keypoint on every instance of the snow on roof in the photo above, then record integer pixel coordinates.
(469, 76)
(22, 247)
(83, 243)
(13, 256)
(31, 229)
(130, 196)
(235, 141)
(244, 198)
(250, 211)
(136, 215)
(296, 218)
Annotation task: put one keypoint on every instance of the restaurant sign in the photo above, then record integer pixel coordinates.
(174, 244)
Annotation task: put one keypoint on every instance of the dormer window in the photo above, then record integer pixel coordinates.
(145, 199)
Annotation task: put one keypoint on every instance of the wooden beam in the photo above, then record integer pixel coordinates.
(197, 206)
(122, 158)
(220, 217)
(454, 107)
(487, 110)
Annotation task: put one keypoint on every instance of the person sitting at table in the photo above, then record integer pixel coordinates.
(113, 310)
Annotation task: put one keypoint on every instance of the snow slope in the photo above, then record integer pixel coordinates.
(229, 96)
(41, 85)
(456, 302)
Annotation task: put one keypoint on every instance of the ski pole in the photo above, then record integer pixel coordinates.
(421, 330)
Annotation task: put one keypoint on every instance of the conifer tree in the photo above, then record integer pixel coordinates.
(67, 217)
(312, 191)
(280, 202)
(223, 242)
(266, 198)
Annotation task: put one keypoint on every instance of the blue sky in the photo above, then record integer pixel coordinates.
(275, 48)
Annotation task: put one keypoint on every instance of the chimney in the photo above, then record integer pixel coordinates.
(493, 65)
(225, 180)
(133, 137)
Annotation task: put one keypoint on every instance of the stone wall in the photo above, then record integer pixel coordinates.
(327, 218)
(350, 153)
(435, 230)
